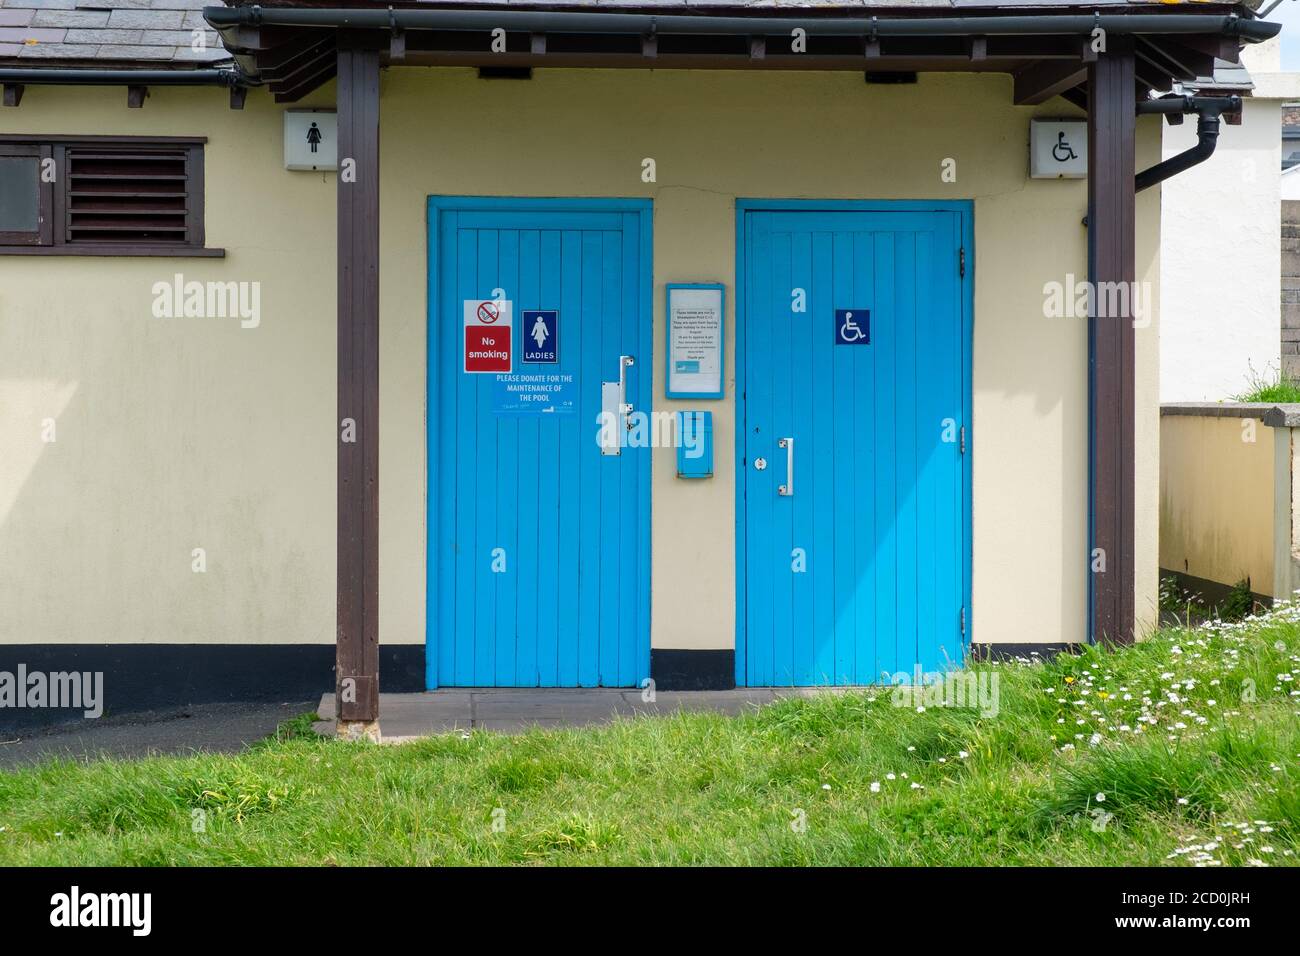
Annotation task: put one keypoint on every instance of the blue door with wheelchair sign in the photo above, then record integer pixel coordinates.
(852, 449)
(538, 521)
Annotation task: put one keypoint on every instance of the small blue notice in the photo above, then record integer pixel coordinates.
(852, 326)
(541, 336)
(540, 393)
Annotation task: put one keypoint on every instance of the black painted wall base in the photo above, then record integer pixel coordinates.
(141, 677)
(1006, 652)
(693, 670)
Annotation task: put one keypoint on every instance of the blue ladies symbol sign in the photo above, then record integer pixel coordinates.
(541, 336)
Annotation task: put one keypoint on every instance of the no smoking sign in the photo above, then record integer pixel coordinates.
(488, 335)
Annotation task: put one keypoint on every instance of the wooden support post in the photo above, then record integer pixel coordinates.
(135, 96)
(1111, 273)
(13, 94)
(357, 672)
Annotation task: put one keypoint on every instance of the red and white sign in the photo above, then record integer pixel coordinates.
(488, 335)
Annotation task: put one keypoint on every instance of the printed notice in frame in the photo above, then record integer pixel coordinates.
(695, 340)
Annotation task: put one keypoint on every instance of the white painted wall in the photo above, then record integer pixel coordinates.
(1291, 184)
(1221, 259)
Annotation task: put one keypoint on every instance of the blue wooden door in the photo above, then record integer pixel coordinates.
(854, 530)
(539, 563)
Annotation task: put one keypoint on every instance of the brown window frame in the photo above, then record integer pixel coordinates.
(42, 234)
(52, 239)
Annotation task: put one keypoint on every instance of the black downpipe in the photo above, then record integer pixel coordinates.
(1208, 109)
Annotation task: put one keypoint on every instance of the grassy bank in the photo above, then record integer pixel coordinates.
(1184, 750)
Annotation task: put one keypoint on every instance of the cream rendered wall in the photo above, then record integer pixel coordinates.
(176, 434)
(1217, 519)
(172, 434)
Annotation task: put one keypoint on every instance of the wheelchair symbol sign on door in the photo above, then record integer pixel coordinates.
(852, 326)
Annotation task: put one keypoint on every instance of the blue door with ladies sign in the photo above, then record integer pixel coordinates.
(539, 534)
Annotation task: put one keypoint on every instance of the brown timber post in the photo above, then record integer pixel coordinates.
(1112, 102)
(357, 649)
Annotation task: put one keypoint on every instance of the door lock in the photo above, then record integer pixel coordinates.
(760, 464)
(616, 409)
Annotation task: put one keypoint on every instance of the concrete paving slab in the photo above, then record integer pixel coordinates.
(404, 717)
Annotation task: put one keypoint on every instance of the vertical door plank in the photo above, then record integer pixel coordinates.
(550, 443)
(803, 349)
(485, 518)
(507, 488)
(863, 451)
(575, 434)
(466, 437)
(590, 506)
(529, 467)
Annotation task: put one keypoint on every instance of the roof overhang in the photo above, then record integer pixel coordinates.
(293, 49)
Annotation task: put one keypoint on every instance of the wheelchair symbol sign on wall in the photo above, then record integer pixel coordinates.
(1062, 152)
(852, 326)
(1058, 149)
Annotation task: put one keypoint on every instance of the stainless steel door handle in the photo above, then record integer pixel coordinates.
(787, 489)
(625, 362)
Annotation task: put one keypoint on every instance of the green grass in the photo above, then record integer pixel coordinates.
(1059, 775)
(1277, 390)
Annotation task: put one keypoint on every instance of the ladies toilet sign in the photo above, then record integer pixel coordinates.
(488, 335)
(311, 139)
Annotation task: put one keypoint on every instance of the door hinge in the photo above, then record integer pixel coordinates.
(961, 262)
(962, 439)
(962, 619)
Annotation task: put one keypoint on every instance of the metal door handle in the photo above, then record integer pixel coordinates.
(625, 362)
(788, 488)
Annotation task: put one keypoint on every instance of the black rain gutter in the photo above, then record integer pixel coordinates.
(1250, 30)
(65, 76)
(1208, 109)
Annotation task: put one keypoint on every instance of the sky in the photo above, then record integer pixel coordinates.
(1288, 14)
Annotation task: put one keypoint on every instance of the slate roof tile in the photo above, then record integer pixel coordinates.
(70, 18)
(126, 51)
(146, 19)
(57, 51)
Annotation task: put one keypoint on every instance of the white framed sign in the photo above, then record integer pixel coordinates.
(1058, 149)
(311, 139)
(695, 336)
